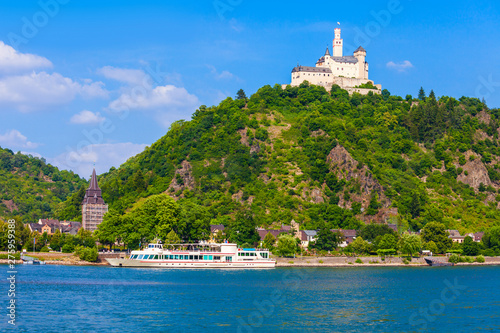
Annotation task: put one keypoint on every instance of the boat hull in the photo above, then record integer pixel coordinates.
(185, 265)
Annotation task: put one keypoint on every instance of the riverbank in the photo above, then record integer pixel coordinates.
(56, 258)
(367, 261)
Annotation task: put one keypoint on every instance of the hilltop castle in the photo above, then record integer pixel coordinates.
(349, 72)
(93, 205)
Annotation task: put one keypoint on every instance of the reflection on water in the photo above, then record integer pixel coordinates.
(82, 299)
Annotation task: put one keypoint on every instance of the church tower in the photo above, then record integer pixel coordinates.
(93, 206)
(338, 44)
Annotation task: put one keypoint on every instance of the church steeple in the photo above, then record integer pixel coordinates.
(93, 195)
(327, 52)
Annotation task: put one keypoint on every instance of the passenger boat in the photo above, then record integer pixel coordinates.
(225, 255)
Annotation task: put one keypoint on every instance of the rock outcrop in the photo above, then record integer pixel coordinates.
(346, 167)
(474, 172)
(186, 175)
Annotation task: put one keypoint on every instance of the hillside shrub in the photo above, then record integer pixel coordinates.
(68, 248)
(87, 253)
(480, 259)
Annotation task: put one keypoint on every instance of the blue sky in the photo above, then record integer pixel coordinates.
(97, 81)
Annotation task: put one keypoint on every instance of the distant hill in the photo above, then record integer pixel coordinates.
(31, 189)
(315, 156)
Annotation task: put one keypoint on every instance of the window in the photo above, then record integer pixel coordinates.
(210, 257)
(190, 257)
(176, 257)
(216, 257)
(155, 257)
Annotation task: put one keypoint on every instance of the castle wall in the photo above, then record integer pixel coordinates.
(313, 78)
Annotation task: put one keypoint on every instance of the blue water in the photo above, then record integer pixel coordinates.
(369, 299)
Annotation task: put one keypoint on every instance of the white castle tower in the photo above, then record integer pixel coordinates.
(338, 44)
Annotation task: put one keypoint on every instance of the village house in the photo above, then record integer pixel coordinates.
(215, 230)
(457, 238)
(50, 226)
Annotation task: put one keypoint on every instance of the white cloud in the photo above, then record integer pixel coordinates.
(159, 97)
(38, 91)
(130, 76)
(87, 117)
(400, 67)
(104, 156)
(224, 75)
(14, 139)
(12, 61)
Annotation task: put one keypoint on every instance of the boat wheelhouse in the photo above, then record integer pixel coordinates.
(201, 255)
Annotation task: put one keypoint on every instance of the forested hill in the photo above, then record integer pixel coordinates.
(31, 189)
(314, 156)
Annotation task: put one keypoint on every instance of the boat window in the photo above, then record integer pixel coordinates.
(170, 257)
(205, 257)
(156, 257)
(176, 257)
(210, 257)
(190, 257)
(216, 257)
(141, 256)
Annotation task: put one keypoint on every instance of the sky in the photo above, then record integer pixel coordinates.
(86, 83)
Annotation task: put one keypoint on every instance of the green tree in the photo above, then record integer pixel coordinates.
(241, 94)
(410, 243)
(287, 245)
(470, 248)
(172, 238)
(374, 205)
(431, 246)
(86, 238)
(387, 241)
(360, 246)
(326, 240)
(491, 238)
(421, 94)
(436, 232)
(194, 222)
(269, 241)
(371, 231)
(243, 229)
(55, 241)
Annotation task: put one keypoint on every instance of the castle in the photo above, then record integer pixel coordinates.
(93, 205)
(349, 72)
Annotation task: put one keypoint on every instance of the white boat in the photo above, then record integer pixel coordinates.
(225, 255)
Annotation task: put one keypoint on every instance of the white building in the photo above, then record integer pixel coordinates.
(348, 72)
